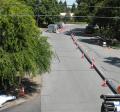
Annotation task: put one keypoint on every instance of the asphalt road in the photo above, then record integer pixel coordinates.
(71, 86)
(107, 59)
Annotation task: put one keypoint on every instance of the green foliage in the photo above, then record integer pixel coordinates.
(86, 8)
(63, 6)
(111, 26)
(48, 8)
(43, 10)
(106, 17)
(82, 10)
(22, 48)
(73, 9)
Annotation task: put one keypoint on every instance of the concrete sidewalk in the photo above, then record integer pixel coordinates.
(71, 86)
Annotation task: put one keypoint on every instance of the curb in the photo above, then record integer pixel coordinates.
(18, 102)
(21, 100)
(97, 69)
(12, 104)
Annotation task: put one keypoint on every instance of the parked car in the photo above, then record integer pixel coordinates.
(52, 28)
(90, 28)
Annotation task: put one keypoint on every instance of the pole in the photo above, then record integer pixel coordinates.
(37, 7)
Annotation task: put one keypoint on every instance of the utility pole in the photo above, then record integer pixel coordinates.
(37, 7)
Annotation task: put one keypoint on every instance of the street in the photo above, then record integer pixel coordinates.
(71, 86)
(59, 55)
(107, 59)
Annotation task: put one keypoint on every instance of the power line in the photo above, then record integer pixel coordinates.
(39, 4)
(117, 17)
(103, 7)
(23, 15)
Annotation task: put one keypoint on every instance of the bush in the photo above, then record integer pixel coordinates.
(22, 48)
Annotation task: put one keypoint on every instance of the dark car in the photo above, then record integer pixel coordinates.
(90, 29)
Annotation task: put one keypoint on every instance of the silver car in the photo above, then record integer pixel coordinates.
(52, 28)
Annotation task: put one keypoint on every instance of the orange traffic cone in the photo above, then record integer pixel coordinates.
(92, 65)
(118, 89)
(74, 40)
(82, 55)
(72, 35)
(22, 91)
(104, 84)
(93, 59)
(76, 44)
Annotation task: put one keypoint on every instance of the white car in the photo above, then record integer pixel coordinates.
(52, 28)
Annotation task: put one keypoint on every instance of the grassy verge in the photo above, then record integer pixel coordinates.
(116, 46)
(76, 23)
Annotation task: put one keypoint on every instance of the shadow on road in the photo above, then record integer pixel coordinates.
(94, 41)
(113, 61)
(78, 32)
(30, 86)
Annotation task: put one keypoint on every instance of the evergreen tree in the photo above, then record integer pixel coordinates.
(73, 9)
(63, 6)
(49, 8)
(43, 10)
(86, 8)
(109, 26)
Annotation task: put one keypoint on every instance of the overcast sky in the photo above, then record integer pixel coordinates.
(69, 2)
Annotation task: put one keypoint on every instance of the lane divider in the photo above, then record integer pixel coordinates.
(104, 84)
(82, 55)
(93, 65)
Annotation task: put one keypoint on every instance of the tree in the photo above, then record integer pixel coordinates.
(105, 14)
(73, 9)
(65, 5)
(78, 1)
(22, 48)
(44, 10)
(61, 6)
(50, 10)
(82, 10)
(86, 8)
(109, 26)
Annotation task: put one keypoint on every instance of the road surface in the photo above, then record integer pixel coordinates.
(71, 86)
(107, 59)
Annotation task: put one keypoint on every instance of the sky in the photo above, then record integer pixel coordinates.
(69, 2)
